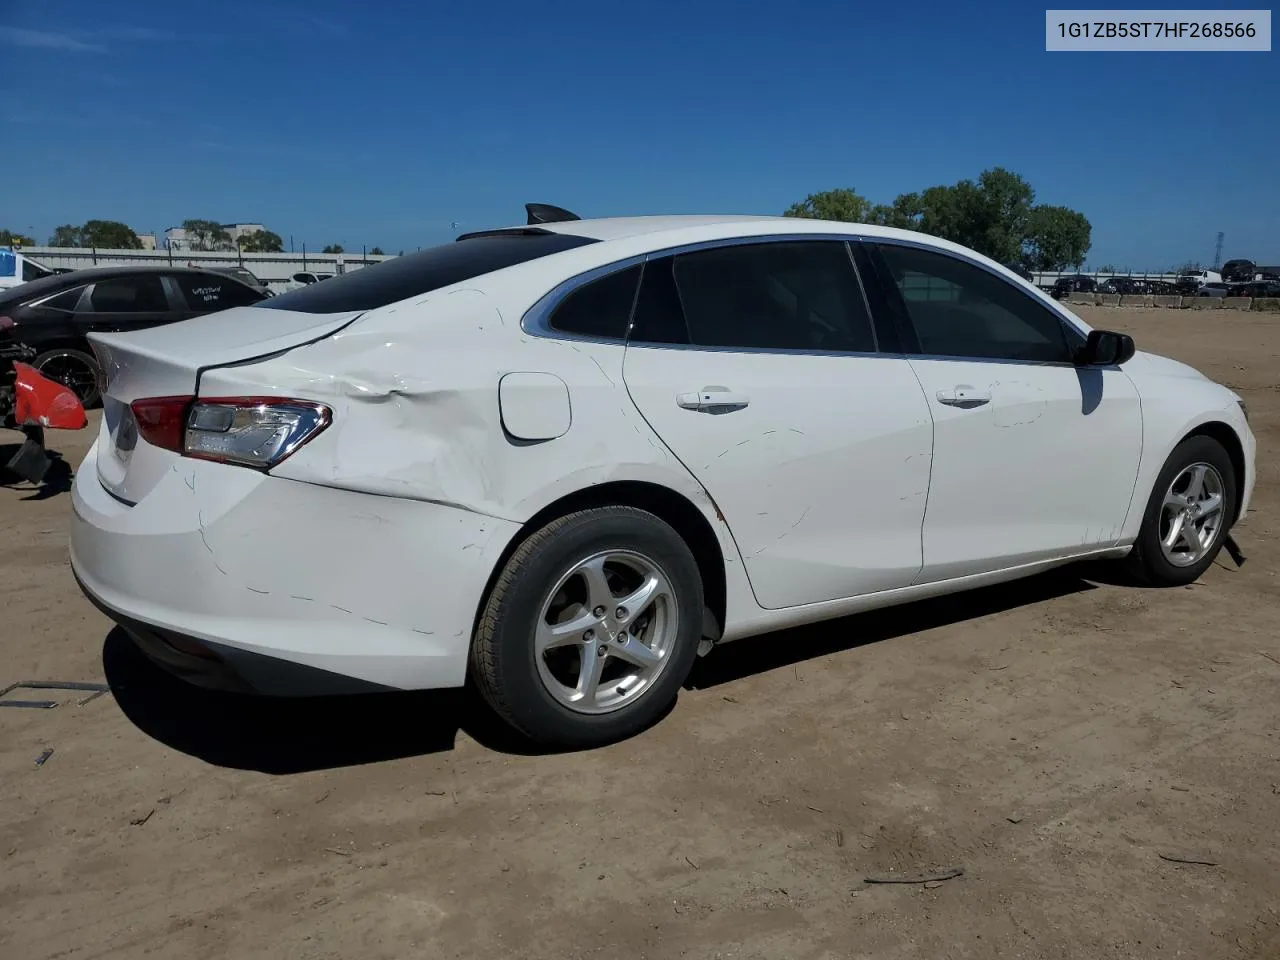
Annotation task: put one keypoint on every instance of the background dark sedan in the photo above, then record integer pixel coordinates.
(53, 315)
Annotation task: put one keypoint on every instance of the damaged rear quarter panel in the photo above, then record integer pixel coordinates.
(414, 393)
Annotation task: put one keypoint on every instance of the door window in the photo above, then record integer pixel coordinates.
(209, 292)
(961, 310)
(141, 294)
(766, 296)
(601, 308)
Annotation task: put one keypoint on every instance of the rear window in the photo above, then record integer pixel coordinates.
(419, 273)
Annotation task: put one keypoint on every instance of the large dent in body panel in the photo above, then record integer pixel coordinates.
(414, 394)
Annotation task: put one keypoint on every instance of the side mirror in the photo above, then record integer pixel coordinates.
(1104, 348)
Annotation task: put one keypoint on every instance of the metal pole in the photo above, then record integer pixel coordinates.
(304, 257)
(239, 252)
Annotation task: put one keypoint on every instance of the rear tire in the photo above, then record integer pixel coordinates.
(591, 628)
(1188, 515)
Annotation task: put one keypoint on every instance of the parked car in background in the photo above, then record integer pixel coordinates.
(1214, 290)
(565, 459)
(1189, 281)
(17, 269)
(1125, 286)
(1073, 284)
(1258, 288)
(1238, 271)
(55, 315)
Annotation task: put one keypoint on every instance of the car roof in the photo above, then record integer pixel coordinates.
(654, 227)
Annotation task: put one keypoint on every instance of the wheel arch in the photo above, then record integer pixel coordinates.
(669, 505)
(1226, 435)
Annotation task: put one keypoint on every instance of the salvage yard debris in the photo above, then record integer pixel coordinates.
(918, 878)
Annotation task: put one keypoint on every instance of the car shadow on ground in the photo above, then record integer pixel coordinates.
(284, 735)
(57, 480)
(293, 735)
(753, 655)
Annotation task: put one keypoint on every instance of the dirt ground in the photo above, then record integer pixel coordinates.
(1053, 738)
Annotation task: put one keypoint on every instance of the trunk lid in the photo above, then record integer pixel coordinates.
(167, 361)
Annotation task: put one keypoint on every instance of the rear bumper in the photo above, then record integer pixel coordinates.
(293, 588)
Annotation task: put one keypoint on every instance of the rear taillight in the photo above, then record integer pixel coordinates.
(257, 432)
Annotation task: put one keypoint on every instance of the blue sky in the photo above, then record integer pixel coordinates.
(330, 123)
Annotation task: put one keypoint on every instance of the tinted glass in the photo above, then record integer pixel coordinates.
(141, 294)
(961, 310)
(64, 301)
(32, 272)
(774, 296)
(601, 308)
(419, 273)
(659, 318)
(207, 292)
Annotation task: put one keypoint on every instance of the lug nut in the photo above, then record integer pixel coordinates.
(602, 650)
(589, 636)
(621, 613)
(598, 611)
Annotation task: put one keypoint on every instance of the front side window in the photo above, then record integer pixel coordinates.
(601, 308)
(141, 294)
(960, 310)
(784, 295)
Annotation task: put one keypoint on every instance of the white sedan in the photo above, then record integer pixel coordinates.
(566, 458)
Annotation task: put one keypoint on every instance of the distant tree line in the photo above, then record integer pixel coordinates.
(997, 216)
(206, 235)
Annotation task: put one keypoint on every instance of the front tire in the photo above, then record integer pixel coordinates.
(590, 629)
(1188, 515)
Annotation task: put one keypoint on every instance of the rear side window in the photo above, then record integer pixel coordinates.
(141, 294)
(601, 308)
(766, 296)
(208, 292)
(419, 273)
(67, 300)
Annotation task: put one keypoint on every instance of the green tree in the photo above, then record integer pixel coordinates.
(843, 204)
(10, 239)
(261, 241)
(108, 234)
(111, 234)
(67, 235)
(333, 248)
(377, 252)
(1056, 238)
(207, 235)
(995, 215)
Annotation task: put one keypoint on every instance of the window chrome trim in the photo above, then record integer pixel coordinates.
(536, 320)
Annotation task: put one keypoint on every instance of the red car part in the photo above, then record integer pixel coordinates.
(39, 401)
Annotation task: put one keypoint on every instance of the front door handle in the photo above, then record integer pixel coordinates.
(712, 400)
(964, 396)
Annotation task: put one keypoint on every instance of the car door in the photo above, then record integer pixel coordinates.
(131, 302)
(756, 363)
(1033, 457)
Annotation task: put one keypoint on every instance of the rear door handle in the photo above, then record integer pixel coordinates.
(712, 400)
(964, 396)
